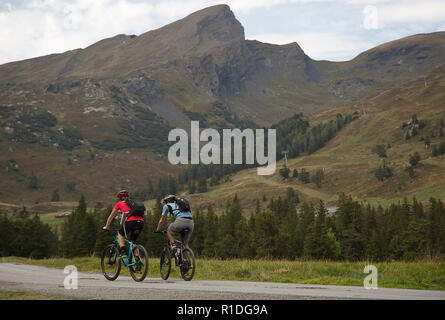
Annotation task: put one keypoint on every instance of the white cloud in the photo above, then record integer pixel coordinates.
(41, 27)
(47, 26)
(413, 11)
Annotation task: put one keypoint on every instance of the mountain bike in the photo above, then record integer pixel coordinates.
(136, 261)
(183, 257)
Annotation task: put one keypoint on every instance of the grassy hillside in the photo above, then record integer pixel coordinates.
(349, 160)
(94, 120)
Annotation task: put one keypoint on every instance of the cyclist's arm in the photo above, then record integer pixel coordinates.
(110, 219)
(164, 213)
(161, 223)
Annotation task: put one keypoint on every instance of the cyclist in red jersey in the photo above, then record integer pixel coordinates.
(132, 226)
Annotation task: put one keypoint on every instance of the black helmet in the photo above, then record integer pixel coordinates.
(169, 198)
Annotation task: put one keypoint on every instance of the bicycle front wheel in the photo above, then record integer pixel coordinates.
(188, 265)
(139, 270)
(165, 264)
(110, 262)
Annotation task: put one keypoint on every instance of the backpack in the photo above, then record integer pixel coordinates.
(137, 207)
(183, 205)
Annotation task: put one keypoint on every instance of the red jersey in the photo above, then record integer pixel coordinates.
(123, 206)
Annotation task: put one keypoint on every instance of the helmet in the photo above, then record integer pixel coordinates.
(123, 194)
(169, 198)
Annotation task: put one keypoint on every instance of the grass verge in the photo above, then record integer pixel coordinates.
(21, 295)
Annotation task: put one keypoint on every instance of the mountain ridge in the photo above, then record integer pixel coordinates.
(123, 94)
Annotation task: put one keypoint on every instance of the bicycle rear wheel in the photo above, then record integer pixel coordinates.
(110, 262)
(188, 265)
(139, 270)
(165, 263)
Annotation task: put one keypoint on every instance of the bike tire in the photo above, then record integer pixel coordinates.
(188, 264)
(110, 262)
(142, 258)
(165, 263)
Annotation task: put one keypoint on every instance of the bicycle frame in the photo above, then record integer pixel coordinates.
(185, 265)
(181, 247)
(130, 252)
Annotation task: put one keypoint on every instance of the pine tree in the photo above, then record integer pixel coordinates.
(150, 192)
(265, 235)
(55, 196)
(192, 187)
(287, 235)
(33, 182)
(304, 176)
(410, 171)
(292, 196)
(380, 149)
(415, 244)
(31, 238)
(229, 244)
(436, 223)
(318, 178)
(284, 172)
(23, 214)
(202, 185)
(350, 229)
(414, 159)
(257, 206)
(172, 185)
(7, 235)
(318, 243)
(155, 241)
(305, 219)
(243, 239)
(435, 151)
(199, 233)
(79, 232)
(211, 237)
(103, 238)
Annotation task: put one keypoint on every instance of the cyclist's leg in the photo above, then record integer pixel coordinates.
(134, 229)
(173, 230)
(188, 233)
(178, 226)
(121, 236)
(171, 235)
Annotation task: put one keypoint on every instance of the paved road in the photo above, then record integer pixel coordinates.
(21, 277)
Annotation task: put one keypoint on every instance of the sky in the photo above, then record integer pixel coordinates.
(336, 30)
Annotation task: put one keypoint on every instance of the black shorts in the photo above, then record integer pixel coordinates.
(132, 229)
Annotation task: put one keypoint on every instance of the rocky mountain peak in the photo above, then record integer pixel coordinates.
(219, 23)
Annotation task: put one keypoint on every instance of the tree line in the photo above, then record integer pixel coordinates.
(286, 229)
(293, 134)
(296, 136)
(26, 237)
(403, 231)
